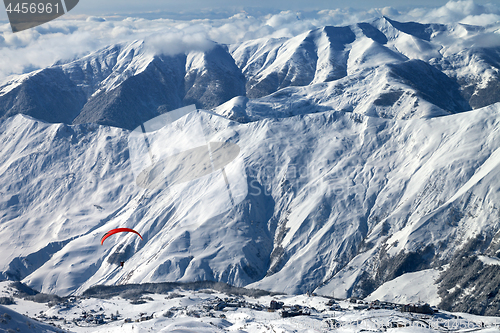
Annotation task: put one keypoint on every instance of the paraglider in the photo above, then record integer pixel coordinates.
(114, 231)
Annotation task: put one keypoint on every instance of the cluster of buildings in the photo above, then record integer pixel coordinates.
(420, 307)
(217, 306)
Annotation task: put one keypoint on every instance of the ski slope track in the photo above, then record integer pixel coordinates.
(367, 153)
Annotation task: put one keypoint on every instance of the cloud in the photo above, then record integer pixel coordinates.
(74, 36)
(455, 11)
(482, 19)
(95, 19)
(173, 43)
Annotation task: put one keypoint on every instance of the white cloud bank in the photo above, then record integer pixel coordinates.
(69, 38)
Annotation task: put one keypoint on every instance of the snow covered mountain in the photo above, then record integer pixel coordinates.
(382, 68)
(341, 202)
(357, 162)
(123, 85)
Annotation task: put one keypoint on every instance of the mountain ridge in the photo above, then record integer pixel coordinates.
(314, 202)
(426, 75)
(345, 180)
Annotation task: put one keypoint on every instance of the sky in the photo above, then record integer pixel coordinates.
(203, 8)
(99, 7)
(180, 26)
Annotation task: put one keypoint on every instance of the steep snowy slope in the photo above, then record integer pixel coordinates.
(63, 182)
(409, 288)
(356, 161)
(341, 202)
(315, 56)
(126, 85)
(123, 85)
(212, 78)
(382, 68)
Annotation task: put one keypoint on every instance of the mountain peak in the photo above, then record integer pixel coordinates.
(100, 86)
(359, 161)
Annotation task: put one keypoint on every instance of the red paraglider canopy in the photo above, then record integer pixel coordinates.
(114, 231)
